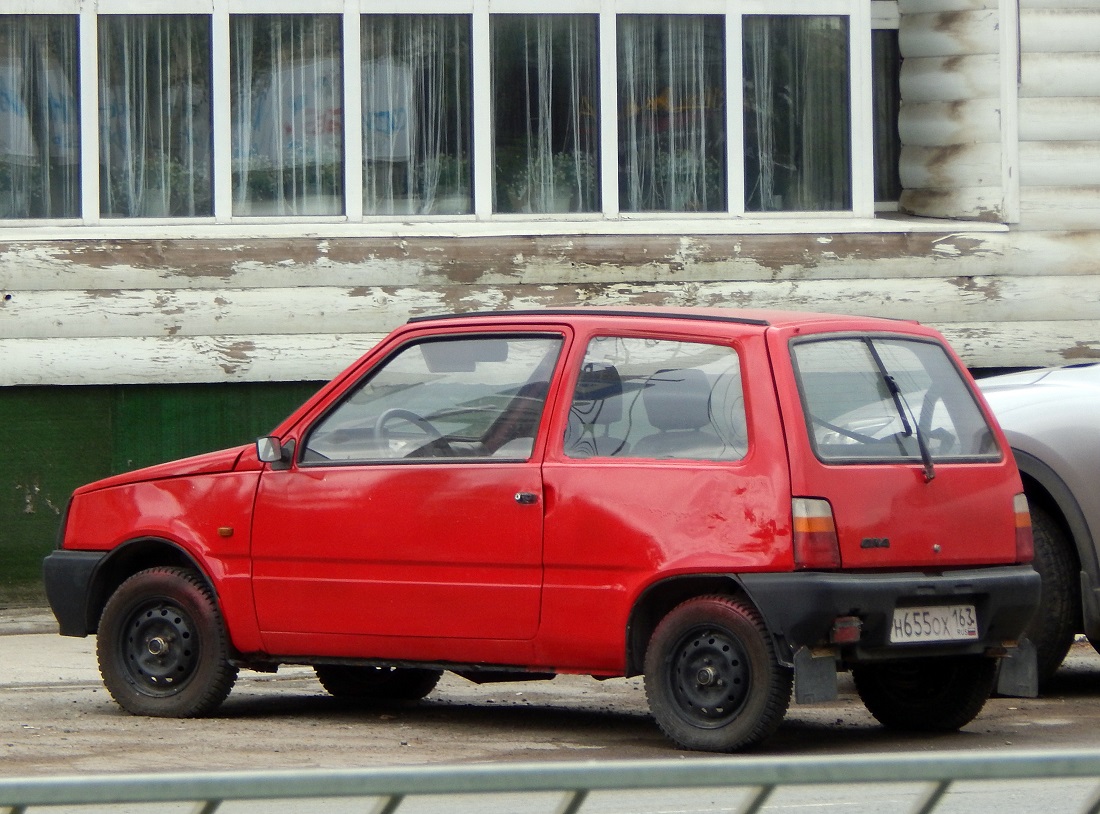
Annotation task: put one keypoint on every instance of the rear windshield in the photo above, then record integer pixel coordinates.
(887, 399)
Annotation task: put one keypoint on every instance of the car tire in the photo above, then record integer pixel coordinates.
(376, 683)
(162, 647)
(926, 695)
(712, 678)
(1054, 624)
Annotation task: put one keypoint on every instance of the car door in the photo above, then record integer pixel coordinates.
(413, 506)
(670, 460)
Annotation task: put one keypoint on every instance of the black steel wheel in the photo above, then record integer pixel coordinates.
(162, 648)
(712, 678)
(354, 682)
(926, 695)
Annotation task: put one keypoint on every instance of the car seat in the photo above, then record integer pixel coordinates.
(677, 403)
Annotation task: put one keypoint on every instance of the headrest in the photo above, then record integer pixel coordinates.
(599, 396)
(677, 399)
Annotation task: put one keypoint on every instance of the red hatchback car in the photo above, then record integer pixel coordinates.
(737, 505)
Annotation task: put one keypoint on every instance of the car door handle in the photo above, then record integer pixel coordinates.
(526, 498)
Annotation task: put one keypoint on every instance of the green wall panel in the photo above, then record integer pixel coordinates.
(62, 437)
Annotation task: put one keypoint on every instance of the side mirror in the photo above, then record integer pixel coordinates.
(269, 450)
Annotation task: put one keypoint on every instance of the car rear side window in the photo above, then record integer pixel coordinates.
(649, 398)
(888, 399)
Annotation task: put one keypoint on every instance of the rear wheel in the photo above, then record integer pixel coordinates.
(712, 678)
(1052, 628)
(377, 683)
(163, 650)
(926, 695)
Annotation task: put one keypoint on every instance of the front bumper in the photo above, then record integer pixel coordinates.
(68, 577)
(801, 608)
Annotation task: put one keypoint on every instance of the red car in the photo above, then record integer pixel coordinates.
(737, 505)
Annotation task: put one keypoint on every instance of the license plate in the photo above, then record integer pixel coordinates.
(934, 623)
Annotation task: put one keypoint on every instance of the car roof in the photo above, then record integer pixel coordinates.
(777, 318)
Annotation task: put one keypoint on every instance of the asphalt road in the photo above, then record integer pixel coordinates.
(56, 718)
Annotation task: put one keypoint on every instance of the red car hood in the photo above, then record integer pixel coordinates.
(224, 460)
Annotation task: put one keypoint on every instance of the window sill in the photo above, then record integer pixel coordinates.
(496, 226)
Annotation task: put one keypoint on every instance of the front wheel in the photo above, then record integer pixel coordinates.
(162, 648)
(926, 695)
(712, 678)
(377, 683)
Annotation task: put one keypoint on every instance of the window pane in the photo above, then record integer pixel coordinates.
(797, 119)
(154, 116)
(885, 78)
(545, 113)
(39, 118)
(453, 398)
(672, 132)
(417, 114)
(288, 102)
(645, 398)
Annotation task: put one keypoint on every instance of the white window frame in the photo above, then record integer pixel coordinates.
(863, 15)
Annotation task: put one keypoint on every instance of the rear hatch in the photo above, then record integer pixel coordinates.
(888, 429)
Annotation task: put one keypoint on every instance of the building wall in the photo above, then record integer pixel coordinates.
(62, 437)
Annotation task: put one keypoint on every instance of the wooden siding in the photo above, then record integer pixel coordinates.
(1059, 115)
(122, 312)
(951, 121)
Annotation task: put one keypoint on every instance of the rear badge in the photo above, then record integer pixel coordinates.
(875, 542)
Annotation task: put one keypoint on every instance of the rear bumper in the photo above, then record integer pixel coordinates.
(68, 577)
(801, 608)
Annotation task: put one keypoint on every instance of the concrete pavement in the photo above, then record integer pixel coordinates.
(18, 621)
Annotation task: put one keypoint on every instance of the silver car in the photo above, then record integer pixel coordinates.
(1052, 420)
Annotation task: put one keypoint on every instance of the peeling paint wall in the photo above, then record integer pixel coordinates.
(131, 312)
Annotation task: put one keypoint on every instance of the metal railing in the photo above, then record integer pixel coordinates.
(759, 777)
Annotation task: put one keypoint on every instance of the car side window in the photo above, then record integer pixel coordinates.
(459, 398)
(646, 398)
(886, 399)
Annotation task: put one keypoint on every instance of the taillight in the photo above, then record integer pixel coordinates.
(1025, 540)
(815, 541)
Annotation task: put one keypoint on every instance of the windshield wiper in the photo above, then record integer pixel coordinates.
(910, 429)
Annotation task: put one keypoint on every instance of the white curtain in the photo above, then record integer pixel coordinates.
(797, 130)
(545, 92)
(417, 114)
(671, 113)
(39, 117)
(154, 116)
(287, 92)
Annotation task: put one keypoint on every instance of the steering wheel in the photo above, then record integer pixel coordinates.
(398, 413)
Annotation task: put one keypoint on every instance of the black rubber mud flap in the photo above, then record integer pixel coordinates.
(1018, 676)
(814, 677)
